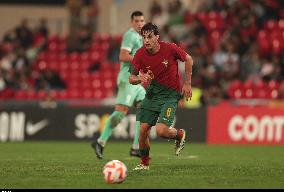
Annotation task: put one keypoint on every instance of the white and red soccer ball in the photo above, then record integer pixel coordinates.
(115, 171)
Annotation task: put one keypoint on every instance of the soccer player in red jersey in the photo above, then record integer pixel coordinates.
(157, 62)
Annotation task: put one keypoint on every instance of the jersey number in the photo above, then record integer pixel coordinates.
(169, 110)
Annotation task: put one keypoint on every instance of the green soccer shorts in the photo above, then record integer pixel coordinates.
(128, 95)
(166, 114)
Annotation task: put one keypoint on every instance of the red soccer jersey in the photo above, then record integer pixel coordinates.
(163, 65)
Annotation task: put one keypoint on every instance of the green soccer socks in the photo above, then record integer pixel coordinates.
(114, 119)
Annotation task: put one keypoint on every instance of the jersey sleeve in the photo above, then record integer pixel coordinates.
(127, 42)
(179, 53)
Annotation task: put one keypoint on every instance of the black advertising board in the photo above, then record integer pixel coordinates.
(83, 123)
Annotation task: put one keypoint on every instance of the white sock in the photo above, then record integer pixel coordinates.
(135, 146)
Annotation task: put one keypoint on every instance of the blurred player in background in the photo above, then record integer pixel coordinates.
(128, 95)
(157, 62)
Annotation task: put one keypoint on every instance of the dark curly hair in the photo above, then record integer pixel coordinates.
(150, 27)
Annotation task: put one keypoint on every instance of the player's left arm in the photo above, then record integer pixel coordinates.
(186, 88)
(126, 48)
(181, 55)
(125, 56)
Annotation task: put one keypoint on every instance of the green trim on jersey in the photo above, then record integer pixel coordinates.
(131, 41)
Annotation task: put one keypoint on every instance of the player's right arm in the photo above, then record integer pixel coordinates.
(139, 78)
(136, 75)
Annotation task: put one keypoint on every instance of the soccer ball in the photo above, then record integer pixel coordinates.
(115, 172)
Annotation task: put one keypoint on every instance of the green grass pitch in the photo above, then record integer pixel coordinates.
(49, 165)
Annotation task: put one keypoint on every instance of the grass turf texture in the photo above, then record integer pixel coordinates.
(49, 165)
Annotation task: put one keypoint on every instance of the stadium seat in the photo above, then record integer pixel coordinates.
(31, 94)
(96, 84)
(98, 94)
(75, 66)
(214, 39)
(105, 37)
(86, 84)
(73, 84)
(7, 93)
(235, 90)
(74, 57)
(41, 94)
(42, 65)
(261, 90)
(273, 88)
(281, 24)
(54, 94)
(271, 25)
(63, 57)
(248, 89)
(108, 83)
(276, 48)
(62, 95)
(74, 93)
(88, 94)
(63, 66)
(53, 47)
(202, 16)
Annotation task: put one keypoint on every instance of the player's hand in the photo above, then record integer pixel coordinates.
(186, 91)
(145, 77)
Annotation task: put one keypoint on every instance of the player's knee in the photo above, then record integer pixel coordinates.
(144, 129)
(160, 130)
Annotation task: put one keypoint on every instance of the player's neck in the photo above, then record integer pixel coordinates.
(155, 49)
(135, 30)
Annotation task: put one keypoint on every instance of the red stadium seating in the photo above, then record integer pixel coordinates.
(82, 83)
